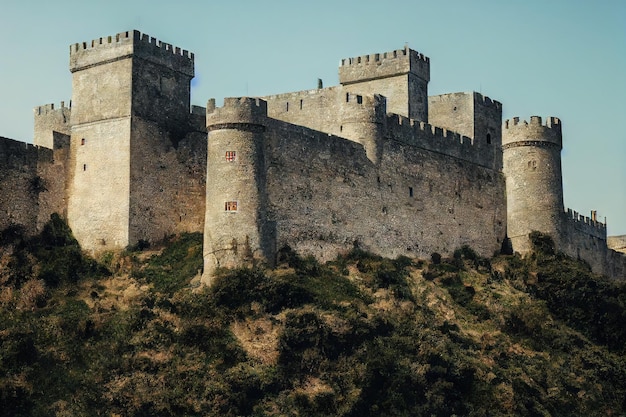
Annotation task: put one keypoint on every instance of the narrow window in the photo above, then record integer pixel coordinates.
(410, 191)
(488, 138)
(359, 99)
(231, 156)
(287, 107)
(300, 104)
(230, 206)
(84, 167)
(82, 141)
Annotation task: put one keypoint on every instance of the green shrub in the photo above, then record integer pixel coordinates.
(236, 290)
(174, 268)
(53, 256)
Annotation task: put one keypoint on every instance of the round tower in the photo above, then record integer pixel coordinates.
(235, 230)
(534, 189)
(362, 121)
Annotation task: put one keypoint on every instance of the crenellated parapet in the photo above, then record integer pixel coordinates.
(49, 121)
(486, 101)
(362, 120)
(433, 138)
(50, 108)
(126, 44)
(382, 65)
(364, 108)
(587, 225)
(237, 113)
(533, 133)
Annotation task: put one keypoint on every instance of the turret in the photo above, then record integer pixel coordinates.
(532, 166)
(362, 121)
(236, 231)
(401, 76)
(49, 120)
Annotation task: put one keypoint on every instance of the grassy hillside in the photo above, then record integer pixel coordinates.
(134, 334)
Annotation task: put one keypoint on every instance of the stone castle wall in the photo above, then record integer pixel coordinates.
(49, 120)
(99, 184)
(474, 116)
(167, 184)
(54, 174)
(32, 183)
(373, 162)
(18, 177)
(332, 110)
(326, 195)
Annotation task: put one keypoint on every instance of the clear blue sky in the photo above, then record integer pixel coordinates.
(563, 58)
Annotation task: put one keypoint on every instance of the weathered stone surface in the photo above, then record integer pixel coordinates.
(373, 162)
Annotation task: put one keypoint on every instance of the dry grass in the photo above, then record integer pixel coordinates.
(259, 338)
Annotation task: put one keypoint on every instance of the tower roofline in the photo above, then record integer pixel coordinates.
(534, 132)
(383, 65)
(130, 44)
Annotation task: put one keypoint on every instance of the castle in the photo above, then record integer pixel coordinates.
(373, 162)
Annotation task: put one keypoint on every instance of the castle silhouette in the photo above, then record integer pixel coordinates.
(373, 162)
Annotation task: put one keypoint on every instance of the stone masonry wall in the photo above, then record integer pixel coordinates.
(401, 75)
(325, 196)
(54, 176)
(167, 184)
(99, 184)
(32, 183)
(330, 110)
(162, 95)
(49, 120)
(18, 180)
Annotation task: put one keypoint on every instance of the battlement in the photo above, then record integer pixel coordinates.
(433, 138)
(364, 108)
(126, 44)
(236, 110)
(551, 122)
(486, 101)
(50, 108)
(17, 154)
(588, 225)
(531, 133)
(382, 65)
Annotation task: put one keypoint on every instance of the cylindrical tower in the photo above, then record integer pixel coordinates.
(362, 121)
(235, 231)
(534, 188)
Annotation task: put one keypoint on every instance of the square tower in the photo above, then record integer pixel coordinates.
(401, 76)
(472, 115)
(130, 98)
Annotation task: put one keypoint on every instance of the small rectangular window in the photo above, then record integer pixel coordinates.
(231, 156)
(230, 206)
(410, 191)
(84, 167)
(82, 141)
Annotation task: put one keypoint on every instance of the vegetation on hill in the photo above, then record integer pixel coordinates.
(134, 334)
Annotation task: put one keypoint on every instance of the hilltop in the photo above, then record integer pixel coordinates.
(133, 333)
